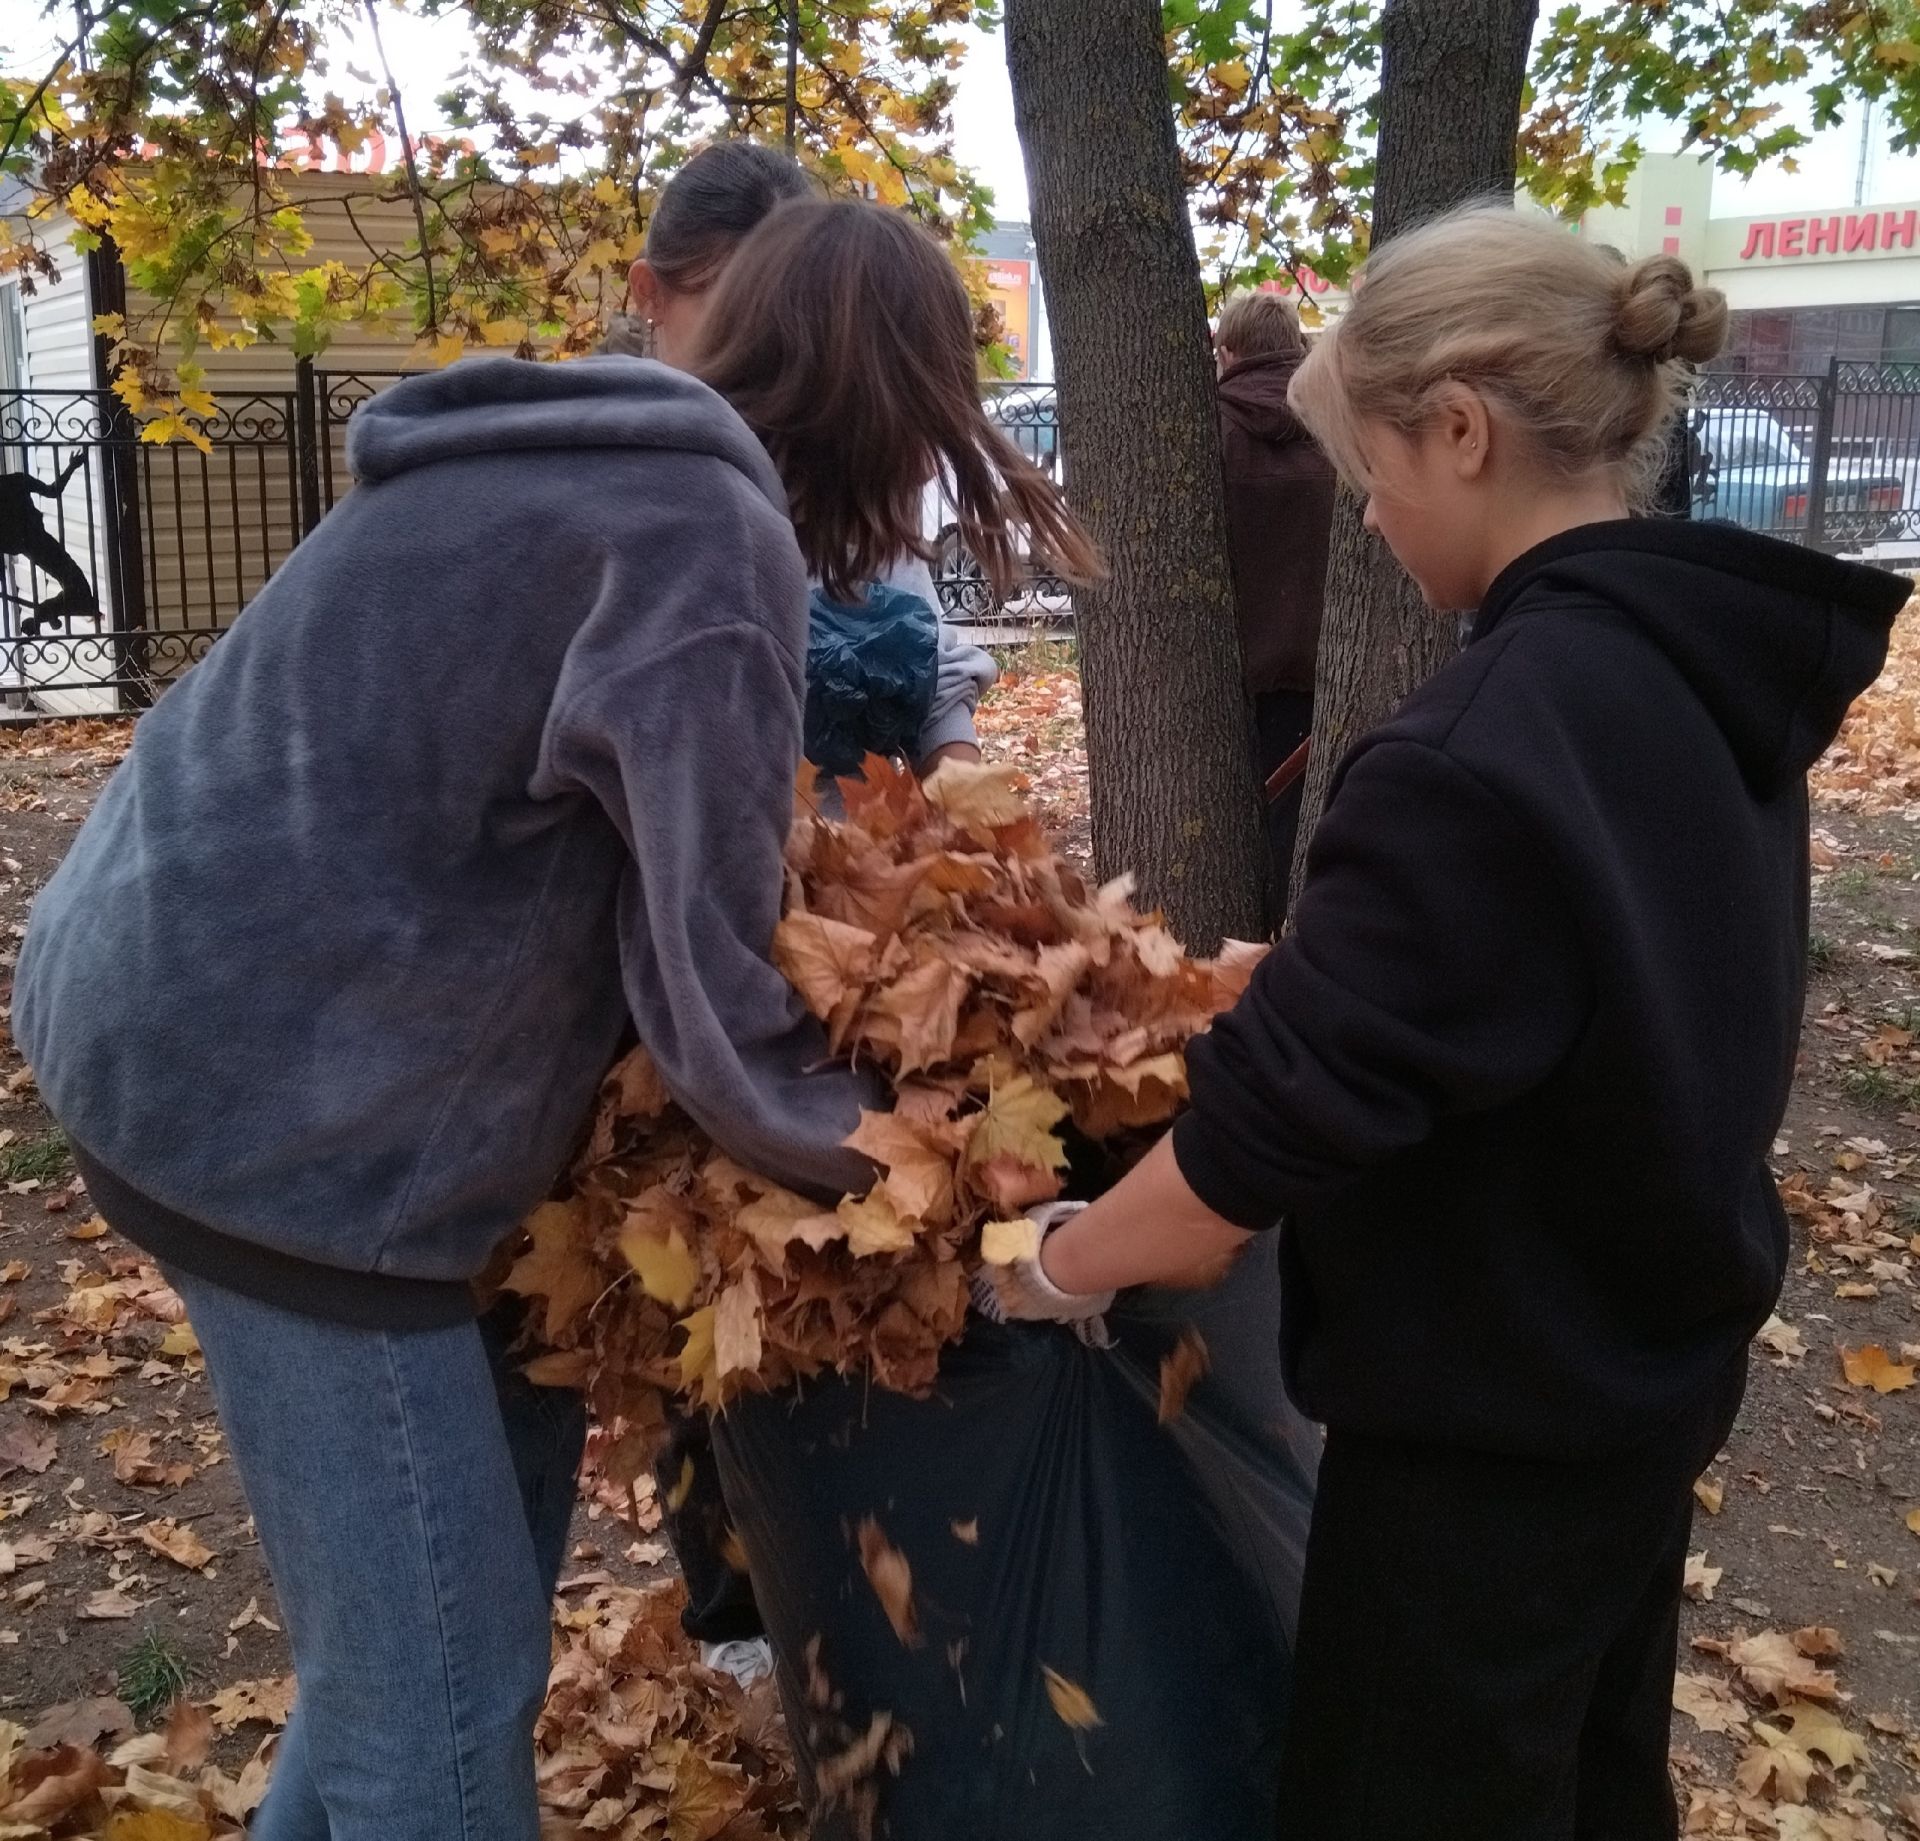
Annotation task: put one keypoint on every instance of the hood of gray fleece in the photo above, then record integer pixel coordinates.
(497, 766)
(503, 405)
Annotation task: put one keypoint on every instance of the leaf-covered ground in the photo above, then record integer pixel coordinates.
(128, 1566)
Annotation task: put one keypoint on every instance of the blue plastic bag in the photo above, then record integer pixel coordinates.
(871, 674)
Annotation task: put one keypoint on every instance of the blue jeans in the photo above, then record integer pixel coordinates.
(413, 1495)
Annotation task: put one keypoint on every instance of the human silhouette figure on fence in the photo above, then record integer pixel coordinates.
(23, 532)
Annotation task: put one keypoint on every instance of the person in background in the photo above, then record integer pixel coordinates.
(1510, 1083)
(704, 213)
(1280, 491)
(885, 674)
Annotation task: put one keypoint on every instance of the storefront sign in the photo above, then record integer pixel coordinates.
(1010, 288)
(1821, 239)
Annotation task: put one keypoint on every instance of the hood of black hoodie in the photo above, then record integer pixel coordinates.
(1775, 641)
(1253, 394)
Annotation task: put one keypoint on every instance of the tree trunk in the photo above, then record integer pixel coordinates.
(1452, 72)
(1174, 797)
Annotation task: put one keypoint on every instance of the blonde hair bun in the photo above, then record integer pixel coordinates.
(1662, 316)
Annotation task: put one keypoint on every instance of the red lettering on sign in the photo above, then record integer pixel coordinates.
(1823, 236)
(1894, 229)
(1863, 232)
(1759, 242)
(1793, 236)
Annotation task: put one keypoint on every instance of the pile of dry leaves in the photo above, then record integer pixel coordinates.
(57, 1780)
(1874, 764)
(637, 1738)
(1022, 1021)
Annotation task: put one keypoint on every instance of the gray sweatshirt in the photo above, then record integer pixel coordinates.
(503, 754)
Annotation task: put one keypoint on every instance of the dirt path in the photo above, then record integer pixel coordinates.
(127, 1561)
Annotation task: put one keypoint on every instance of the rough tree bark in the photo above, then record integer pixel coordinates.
(1452, 72)
(1174, 797)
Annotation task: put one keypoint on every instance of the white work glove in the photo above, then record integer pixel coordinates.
(1021, 1292)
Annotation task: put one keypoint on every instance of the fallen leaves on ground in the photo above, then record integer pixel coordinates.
(1709, 1702)
(1874, 763)
(1701, 1579)
(252, 1703)
(637, 1738)
(1024, 1021)
(179, 1544)
(1873, 1367)
(1773, 1667)
(156, 1786)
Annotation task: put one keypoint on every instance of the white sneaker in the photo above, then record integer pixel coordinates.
(747, 1660)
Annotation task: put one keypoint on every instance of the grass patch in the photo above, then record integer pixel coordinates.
(1850, 885)
(1043, 653)
(44, 1159)
(153, 1675)
(1883, 1092)
(1823, 952)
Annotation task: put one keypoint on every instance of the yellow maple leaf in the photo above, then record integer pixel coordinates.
(1873, 1367)
(1014, 1155)
(558, 1266)
(701, 1802)
(874, 1225)
(696, 1356)
(155, 1825)
(654, 1243)
(180, 1341)
(1006, 1243)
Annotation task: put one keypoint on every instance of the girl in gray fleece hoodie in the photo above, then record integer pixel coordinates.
(497, 766)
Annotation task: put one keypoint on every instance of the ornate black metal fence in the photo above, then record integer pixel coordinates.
(1832, 460)
(121, 561)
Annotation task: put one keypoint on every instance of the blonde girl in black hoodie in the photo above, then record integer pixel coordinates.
(1509, 1086)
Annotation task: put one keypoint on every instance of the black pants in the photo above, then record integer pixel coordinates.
(694, 1518)
(1282, 720)
(1486, 1646)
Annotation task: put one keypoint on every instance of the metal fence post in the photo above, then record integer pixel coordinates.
(306, 424)
(1822, 457)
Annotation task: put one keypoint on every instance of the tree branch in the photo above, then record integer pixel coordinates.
(412, 165)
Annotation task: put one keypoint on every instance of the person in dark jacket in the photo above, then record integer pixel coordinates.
(1510, 1084)
(1279, 510)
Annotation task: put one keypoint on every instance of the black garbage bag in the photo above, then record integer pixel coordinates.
(1051, 1524)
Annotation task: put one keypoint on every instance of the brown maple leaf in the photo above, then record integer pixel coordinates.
(1180, 1368)
(892, 1581)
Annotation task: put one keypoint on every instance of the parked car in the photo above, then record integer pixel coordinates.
(1748, 469)
(1027, 414)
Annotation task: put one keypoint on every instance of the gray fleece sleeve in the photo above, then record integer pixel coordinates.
(692, 752)
(966, 672)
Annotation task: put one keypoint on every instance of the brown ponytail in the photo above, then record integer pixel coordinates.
(844, 337)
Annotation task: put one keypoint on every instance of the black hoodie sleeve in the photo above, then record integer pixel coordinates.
(1434, 969)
